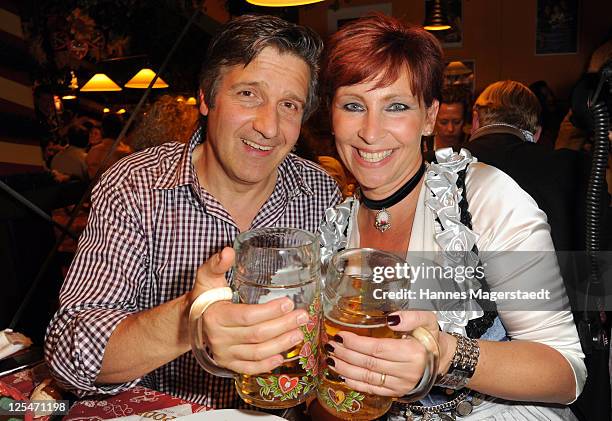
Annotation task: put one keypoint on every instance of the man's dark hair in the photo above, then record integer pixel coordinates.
(78, 136)
(111, 126)
(243, 38)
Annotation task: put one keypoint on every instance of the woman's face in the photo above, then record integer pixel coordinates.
(378, 133)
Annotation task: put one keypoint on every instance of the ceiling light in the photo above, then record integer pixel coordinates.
(436, 20)
(281, 3)
(142, 79)
(100, 83)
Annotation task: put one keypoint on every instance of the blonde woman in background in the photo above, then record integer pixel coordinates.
(167, 120)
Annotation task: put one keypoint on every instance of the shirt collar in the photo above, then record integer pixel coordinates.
(498, 128)
(290, 174)
(183, 173)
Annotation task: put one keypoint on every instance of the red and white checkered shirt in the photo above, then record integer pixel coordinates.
(151, 226)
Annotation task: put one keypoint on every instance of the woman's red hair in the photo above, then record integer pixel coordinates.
(379, 45)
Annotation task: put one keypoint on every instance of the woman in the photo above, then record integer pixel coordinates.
(383, 81)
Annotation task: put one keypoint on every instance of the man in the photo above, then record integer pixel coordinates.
(111, 128)
(504, 134)
(450, 121)
(158, 214)
(71, 161)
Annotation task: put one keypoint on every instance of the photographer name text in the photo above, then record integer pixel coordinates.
(472, 294)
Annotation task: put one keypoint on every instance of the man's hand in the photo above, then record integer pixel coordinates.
(212, 273)
(246, 338)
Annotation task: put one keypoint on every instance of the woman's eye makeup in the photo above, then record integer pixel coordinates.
(398, 106)
(352, 106)
(395, 107)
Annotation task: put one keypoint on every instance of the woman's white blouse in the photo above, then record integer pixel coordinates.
(506, 218)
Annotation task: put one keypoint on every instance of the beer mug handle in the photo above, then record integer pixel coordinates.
(198, 348)
(431, 369)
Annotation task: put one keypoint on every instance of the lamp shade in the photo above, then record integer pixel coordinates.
(100, 83)
(142, 79)
(282, 3)
(436, 19)
(457, 68)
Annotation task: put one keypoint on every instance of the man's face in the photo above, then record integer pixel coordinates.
(95, 136)
(256, 117)
(449, 125)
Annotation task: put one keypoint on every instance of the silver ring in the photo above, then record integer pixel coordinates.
(383, 377)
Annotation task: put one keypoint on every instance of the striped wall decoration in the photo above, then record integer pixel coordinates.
(19, 149)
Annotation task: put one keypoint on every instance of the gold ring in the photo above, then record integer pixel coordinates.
(383, 377)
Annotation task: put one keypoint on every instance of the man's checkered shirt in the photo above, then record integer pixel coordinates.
(151, 226)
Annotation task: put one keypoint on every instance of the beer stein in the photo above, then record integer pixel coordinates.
(356, 299)
(273, 263)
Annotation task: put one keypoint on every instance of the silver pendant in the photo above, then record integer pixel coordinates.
(464, 408)
(383, 220)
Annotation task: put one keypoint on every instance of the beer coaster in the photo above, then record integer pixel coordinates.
(231, 415)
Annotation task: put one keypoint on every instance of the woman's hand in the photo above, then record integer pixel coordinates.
(388, 366)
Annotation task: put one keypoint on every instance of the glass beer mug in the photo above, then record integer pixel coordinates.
(353, 302)
(273, 263)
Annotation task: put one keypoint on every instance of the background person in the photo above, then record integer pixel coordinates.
(71, 160)
(505, 123)
(166, 120)
(111, 128)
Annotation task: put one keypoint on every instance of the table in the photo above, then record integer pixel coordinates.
(131, 402)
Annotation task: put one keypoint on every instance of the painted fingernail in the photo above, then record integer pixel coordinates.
(297, 338)
(302, 319)
(338, 339)
(393, 320)
(328, 348)
(330, 362)
(287, 306)
(333, 376)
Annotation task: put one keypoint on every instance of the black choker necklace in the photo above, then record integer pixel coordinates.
(382, 222)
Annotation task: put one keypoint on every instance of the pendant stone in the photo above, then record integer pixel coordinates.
(383, 220)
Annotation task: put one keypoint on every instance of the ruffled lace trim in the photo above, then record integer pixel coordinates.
(455, 240)
(335, 228)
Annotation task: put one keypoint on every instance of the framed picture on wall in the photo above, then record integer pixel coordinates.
(453, 10)
(344, 15)
(557, 27)
(461, 73)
